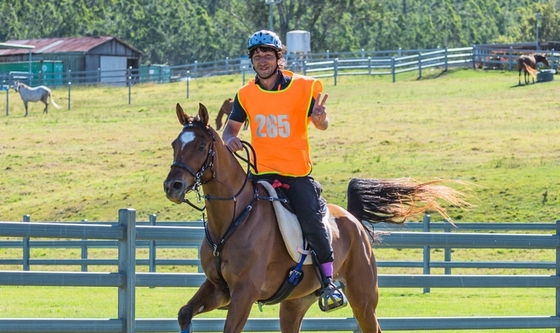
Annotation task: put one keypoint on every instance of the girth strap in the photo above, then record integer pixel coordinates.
(217, 247)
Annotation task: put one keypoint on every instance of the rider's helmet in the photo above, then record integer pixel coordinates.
(265, 38)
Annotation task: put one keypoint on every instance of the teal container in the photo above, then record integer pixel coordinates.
(545, 75)
(155, 73)
(46, 72)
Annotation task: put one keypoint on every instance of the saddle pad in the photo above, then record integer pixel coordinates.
(289, 226)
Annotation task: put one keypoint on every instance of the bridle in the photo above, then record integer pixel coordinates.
(196, 187)
(209, 165)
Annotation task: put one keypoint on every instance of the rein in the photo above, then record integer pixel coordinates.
(196, 187)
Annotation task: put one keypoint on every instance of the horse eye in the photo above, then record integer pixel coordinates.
(202, 147)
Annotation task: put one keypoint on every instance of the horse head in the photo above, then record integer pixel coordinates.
(542, 58)
(193, 155)
(16, 86)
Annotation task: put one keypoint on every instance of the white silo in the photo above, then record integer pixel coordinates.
(298, 42)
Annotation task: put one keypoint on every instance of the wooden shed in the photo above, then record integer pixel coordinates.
(106, 55)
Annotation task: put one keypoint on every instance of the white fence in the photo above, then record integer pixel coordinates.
(126, 233)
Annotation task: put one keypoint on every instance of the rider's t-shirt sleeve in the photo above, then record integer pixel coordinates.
(237, 112)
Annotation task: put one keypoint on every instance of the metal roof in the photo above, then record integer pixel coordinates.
(60, 45)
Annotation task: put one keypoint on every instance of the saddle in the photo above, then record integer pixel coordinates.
(290, 228)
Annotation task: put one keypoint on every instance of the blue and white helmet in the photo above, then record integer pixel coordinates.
(265, 38)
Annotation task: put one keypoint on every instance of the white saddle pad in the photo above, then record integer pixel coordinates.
(289, 226)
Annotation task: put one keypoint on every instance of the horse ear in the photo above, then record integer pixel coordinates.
(181, 115)
(203, 114)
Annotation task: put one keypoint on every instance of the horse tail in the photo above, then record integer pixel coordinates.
(53, 102)
(395, 200)
(531, 71)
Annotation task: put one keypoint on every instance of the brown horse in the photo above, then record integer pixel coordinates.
(244, 256)
(225, 109)
(528, 64)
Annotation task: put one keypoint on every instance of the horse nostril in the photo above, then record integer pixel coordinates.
(177, 185)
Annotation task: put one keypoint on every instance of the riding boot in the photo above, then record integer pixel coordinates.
(331, 296)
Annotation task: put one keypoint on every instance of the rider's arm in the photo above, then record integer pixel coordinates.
(233, 126)
(230, 135)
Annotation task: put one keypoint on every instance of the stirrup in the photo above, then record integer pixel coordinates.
(332, 297)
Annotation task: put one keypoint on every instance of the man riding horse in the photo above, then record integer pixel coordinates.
(280, 106)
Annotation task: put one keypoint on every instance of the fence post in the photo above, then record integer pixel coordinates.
(446, 60)
(7, 96)
(127, 266)
(69, 84)
(447, 254)
(510, 57)
(419, 65)
(227, 65)
(474, 53)
(152, 247)
(552, 58)
(557, 274)
(327, 54)
(26, 254)
(84, 252)
(335, 70)
(369, 65)
(129, 82)
(188, 80)
(426, 261)
(393, 69)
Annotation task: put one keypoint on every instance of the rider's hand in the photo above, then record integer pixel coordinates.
(319, 112)
(234, 144)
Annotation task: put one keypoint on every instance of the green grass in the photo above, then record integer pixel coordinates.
(474, 126)
(57, 302)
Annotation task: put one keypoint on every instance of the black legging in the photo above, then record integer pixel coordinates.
(305, 197)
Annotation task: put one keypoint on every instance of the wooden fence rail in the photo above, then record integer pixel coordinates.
(126, 279)
(26, 244)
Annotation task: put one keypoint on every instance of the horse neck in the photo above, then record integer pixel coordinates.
(539, 58)
(229, 179)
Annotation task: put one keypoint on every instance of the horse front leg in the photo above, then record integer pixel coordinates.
(208, 297)
(26, 112)
(242, 299)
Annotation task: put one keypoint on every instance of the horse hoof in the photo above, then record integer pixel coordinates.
(188, 329)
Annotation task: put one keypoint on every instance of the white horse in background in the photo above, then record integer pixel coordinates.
(40, 93)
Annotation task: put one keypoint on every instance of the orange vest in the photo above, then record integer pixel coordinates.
(279, 124)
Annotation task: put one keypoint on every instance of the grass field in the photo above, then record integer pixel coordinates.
(474, 126)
